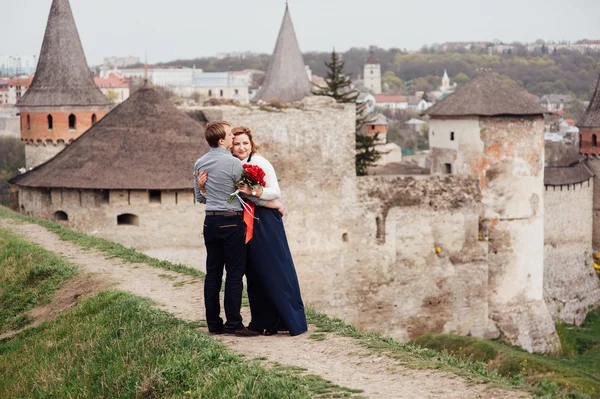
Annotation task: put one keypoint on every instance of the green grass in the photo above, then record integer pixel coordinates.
(111, 249)
(411, 355)
(29, 275)
(490, 362)
(576, 373)
(117, 345)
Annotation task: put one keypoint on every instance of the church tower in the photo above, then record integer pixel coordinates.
(63, 101)
(373, 74)
(589, 135)
(445, 80)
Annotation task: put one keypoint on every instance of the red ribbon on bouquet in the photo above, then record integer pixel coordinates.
(249, 220)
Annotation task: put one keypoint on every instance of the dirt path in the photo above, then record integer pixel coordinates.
(337, 359)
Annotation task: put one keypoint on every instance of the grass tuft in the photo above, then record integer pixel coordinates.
(30, 276)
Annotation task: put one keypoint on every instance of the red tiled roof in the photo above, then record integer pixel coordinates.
(112, 81)
(23, 82)
(390, 98)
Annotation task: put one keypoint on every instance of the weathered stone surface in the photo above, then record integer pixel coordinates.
(571, 286)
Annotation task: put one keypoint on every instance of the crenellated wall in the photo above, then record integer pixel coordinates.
(163, 227)
(571, 286)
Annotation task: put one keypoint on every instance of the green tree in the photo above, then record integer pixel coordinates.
(339, 87)
(394, 82)
(112, 96)
(575, 110)
(461, 78)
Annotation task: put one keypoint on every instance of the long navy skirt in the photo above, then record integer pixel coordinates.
(273, 289)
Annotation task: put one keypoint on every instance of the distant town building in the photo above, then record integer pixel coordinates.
(120, 62)
(378, 126)
(114, 86)
(3, 92)
(372, 75)
(418, 104)
(555, 102)
(17, 65)
(17, 87)
(222, 85)
(171, 77)
(391, 101)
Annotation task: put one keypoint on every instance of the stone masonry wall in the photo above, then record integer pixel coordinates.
(38, 153)
(511, 173)
(337, 225)
(571, 285)
(163, 227)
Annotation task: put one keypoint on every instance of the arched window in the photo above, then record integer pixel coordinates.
(594, 140)
(451, 136)
(61, 216)
(72, 121)
(210, 93)
(28, 123)
(128, 219)
(94, 119)
(50, 124)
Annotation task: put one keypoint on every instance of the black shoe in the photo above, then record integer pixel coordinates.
(216, 332)
(243, 332)
(270, 332)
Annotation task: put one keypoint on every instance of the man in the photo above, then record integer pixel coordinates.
(224, 231)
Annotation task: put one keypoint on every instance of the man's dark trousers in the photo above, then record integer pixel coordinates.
(224, 237)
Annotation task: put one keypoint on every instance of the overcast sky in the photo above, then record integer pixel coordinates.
(173, 29)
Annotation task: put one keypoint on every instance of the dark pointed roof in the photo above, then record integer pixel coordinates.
(559, 176)
(286, 79)
(62, 77)
(591, 118)
(144, 143)
(487, 95)
(372, 59)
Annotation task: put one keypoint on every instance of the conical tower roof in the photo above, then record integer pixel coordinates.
(591, 118)
(62, 77)
(486, 95)
(144, 143)
(286, 79)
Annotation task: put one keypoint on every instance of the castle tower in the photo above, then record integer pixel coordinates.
(63, 101)
(373, 74)
(492, 131)
(286, 79)
(589, 135)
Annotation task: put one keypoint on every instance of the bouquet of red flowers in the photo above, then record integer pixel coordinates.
(253, 176)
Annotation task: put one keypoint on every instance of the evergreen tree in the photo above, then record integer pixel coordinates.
(339, 86)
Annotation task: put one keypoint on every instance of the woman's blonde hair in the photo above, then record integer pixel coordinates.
(246, 130)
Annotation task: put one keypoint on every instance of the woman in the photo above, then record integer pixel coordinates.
(273, 289)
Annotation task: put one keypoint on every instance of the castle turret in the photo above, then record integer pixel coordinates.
(493, 131)
(286, 79)
(372, 71)
(63, 101)
(589, 135)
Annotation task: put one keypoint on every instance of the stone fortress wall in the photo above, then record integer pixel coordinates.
(401, 255)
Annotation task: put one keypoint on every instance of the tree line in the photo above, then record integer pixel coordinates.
(561, 71)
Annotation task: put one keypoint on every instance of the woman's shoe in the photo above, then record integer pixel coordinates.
(270, 332)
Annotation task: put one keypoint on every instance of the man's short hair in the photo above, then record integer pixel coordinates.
(214, 132)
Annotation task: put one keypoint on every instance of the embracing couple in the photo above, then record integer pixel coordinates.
(273, 290)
